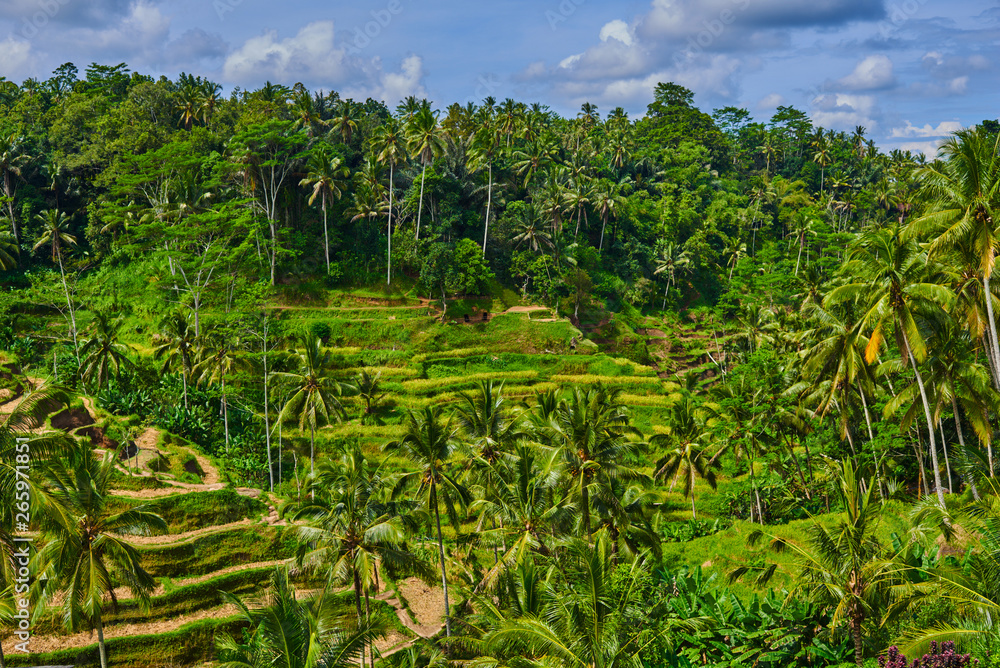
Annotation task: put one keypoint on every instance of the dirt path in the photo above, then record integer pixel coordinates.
(52, 643)
(426, 604)
(178, 538)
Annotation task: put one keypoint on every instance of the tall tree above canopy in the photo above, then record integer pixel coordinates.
(265, 158)
(672, 118)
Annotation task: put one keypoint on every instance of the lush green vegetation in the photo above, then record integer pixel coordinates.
(686, 390)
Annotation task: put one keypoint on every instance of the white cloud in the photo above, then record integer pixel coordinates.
(872, 73)
(395, 86)
(17, 59)
(842, 111)
(943, 129)
(619, 30)
(308, 56)
(314, 57)
(772, 101)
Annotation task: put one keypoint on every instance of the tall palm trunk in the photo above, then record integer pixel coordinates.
(489, 202)
(388, 255)
(604, 224)
(69, 305)
(444, 573)
(357, 605)
(225, 413)
(420, 207)
(585, 501)
(944, 449)
(326, 236)
(101, 648)
(930, 423)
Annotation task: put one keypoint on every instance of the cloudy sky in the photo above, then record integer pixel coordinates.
(908, 70)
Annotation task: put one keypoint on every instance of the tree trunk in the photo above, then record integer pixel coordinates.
(312, 460)
(944, 449)
(871, 437)
(930, 423)
(444, 574)
(357, 605)
(604, 224)
(267, 414)
(69, 305)
(420, 207)
(388, 255)
(489, 202)
(988, 296)
(859, 656)
(326, 235)
(102, 649)
(694, 513)
(225, 414)
(585, 501)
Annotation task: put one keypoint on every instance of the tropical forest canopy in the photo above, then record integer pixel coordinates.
(690, 389)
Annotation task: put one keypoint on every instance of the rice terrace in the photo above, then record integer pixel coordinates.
(507, 335)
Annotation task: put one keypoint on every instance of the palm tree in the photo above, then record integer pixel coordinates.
(315, 399)
(327, 176)
(607, 202)
(370, 390)
(345, 123)
(964, 189)
(55, 233)
(289, 631)
(736, 250)
(425, 140)
(890, 273)
(348, 529)
(8, 252)
(217, 359)
(843, 565)
(429, 443)
(104, 352)
(523, 493)
(19, 437)
(85, 554)
(671, 259)
(390, 146)
(12, 158)
(577, 627)
(485, 149)
(689, 458)
(590, 428)
(177, 344)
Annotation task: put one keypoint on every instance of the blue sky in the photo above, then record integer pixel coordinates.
(909, 70)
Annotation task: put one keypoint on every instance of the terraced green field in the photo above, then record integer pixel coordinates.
(228, 539)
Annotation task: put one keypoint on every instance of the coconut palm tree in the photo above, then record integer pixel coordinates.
(670, 260)
(591, 429)
(177, 345)
(104, 352)
(85, 554)
(347, 529)
(527, 507)
(345, 122)
(315, 398)
(217, 360)
(12, 160)
(8, 252)
(890, 273)
(429, 444)
(55, 233)
(577, 626)
(484, 152)
(424, 139)
(389, 145)
(292, 631)
(19, 437)
(964, 188)
(327, 176)
(607, 202)
(843, 564)
(691, 454)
